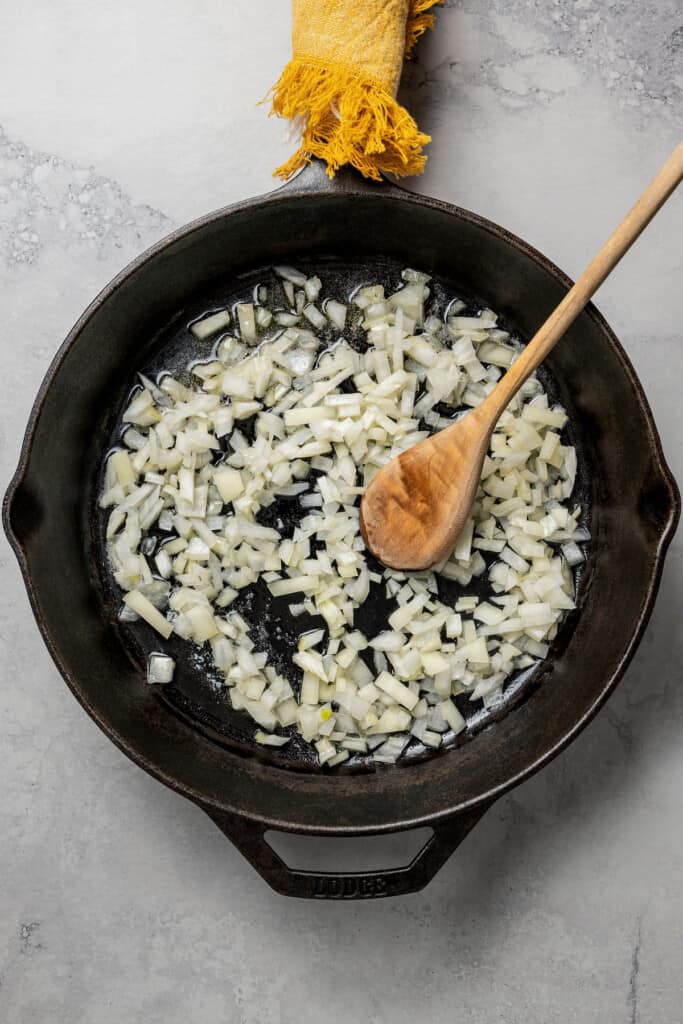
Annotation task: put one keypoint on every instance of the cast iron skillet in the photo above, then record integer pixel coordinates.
(633, 499)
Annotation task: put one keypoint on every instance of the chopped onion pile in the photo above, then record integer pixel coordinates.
(325, 418)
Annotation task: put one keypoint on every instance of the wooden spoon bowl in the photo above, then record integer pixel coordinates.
(414, 509)
(418, 504)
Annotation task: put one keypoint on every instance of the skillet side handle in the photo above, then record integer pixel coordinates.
(660, 503)
(21, 513)
(249, 838)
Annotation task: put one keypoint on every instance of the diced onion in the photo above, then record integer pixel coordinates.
(138, 603)
(295, 422)
(247, 323)
(160, 668)
(269, 739)
(228, 483)
(211, 324)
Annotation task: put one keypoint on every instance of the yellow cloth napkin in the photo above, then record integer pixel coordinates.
(341, 84)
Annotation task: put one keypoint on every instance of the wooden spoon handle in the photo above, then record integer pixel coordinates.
(654, 196)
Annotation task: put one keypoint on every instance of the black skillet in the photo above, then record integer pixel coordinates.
(190, 739)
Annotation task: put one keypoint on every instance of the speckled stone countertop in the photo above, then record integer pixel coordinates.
(118, 900)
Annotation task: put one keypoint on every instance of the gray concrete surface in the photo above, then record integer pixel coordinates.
(118, 900)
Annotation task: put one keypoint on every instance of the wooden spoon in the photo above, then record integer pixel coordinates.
(414, 509)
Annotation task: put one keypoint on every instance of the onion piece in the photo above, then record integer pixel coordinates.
(139, 604)
(247, 322)
(209, 325)
(160, 668)
(336, 312)
(270, 739)
(398, 691)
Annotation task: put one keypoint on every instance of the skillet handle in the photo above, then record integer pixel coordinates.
(249, 838)
(313, 178)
